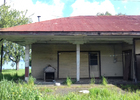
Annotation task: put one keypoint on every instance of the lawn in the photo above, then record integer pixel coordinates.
(20, 72)
(20, 90)
(12, 74)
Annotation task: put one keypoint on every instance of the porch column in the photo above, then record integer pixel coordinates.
(78, 61)
(133, 62)
(27, 62)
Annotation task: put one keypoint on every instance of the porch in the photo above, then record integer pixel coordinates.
(114, 81)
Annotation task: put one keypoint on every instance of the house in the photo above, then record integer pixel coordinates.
(81, 46)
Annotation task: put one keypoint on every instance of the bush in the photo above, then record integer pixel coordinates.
(92, 81)
(104, 81)
(31, 80)
(68, 81)
(10, 90)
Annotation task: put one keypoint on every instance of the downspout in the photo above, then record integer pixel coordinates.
(1, 56)
(135, 62)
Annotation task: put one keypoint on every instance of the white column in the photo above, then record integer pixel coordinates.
(78, 61)
(27, 48)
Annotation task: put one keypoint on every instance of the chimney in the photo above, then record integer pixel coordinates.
(38, 18)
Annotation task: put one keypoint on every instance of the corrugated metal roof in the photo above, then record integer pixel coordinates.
(83, 23)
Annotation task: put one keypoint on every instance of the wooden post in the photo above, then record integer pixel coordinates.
(134, 61)
(1, 49)
(4, 2)
(27, 62)
(1, 58)
(78, 61)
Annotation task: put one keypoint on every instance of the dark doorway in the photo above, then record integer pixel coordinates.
(94, 64)
(127, 58)
(49, 76)
(138, 66)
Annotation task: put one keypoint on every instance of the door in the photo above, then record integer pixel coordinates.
(94, 64)
(138, 66)
(67, 65)
(127, 56)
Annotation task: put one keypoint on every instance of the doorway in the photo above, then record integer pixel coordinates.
(94, 64)
(127, 58)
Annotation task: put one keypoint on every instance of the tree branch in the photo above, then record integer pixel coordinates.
(11, 59)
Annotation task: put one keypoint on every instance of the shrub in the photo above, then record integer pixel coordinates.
(104, 81)
(68, 81)
(9, 90)
(31, 80)
(92, 81)
(95, 92)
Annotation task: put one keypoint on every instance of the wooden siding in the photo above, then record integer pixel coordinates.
(45, 54)
(67, 65)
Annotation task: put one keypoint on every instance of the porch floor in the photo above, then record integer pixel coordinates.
(85, 81)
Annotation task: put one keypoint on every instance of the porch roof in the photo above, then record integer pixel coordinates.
(82, 23)
(81, 29)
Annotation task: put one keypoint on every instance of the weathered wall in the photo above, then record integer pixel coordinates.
(137, 46)
(44, 54)
(67, 64)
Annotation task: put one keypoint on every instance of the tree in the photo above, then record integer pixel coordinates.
(102, 14)
(13, 52)
(108, 14)
(8, 18)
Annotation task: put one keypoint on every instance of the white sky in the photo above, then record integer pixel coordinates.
(56, 8)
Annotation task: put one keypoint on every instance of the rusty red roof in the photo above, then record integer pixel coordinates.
(83, 23)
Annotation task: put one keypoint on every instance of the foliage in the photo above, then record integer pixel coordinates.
(9, 90)
(13, 74)
(92, 81)
(108, 14)
(68, 81)
(9, 18)
(13, 91)
(31, 81)
(104, 81)
(13, 52)
(130, 87)
(102, 14)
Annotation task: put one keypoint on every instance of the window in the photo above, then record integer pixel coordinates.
(93, 59)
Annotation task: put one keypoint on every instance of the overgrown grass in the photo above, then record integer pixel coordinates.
(130, 87)
(92, 81)
(104, 81)
(31, 81)
(19, 90)
(9, 90)
(68, 81)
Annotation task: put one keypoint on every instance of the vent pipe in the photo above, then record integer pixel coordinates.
(38, 18)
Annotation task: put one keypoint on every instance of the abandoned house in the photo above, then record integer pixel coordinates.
(80, 47)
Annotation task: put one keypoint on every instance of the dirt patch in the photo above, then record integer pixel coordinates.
(63, 89)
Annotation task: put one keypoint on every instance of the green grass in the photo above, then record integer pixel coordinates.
(20, 72)
(9, 90)
(68, 81)
(104, 81)
(12, 74)
(19, 90)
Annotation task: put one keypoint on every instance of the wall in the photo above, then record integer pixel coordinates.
(130, 47)
(137, 46)
(44, 54)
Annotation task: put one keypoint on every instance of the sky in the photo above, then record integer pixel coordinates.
(50, 9)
